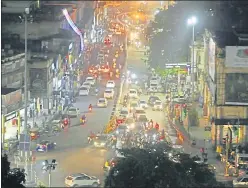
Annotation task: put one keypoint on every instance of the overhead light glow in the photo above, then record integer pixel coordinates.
(74, 27)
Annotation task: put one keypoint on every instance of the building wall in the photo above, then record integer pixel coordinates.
(12, 70)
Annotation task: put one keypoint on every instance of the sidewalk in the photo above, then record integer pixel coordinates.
(203, 140)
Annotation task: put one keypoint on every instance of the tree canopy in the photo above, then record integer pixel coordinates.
(153, 168)
(11, 179)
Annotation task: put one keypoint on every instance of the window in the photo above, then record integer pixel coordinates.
(73, 109)
(245, 180)
(86, 178)
(124, 112)
(80, 178)
(140, 112)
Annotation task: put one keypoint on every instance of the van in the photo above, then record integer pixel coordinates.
(133, 93)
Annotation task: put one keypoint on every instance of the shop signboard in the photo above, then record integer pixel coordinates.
(11, 116)
(211, 59)
(236, 89)
(236, 56)
(231, 121)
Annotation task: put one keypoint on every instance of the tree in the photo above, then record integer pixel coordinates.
(11, 180)
(152, 168)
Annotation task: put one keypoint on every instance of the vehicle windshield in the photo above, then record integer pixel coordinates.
(108, 91)
(110, 82)
(86, 83)
(132, 91)
(72, 109)
(124, 112)
(101, 101)
(154, 85)
(140, 112)
(158, 102)
(154, 79)
(143, 117)
(84, 88)
(134, 104)
(89, 79)
(142, 102)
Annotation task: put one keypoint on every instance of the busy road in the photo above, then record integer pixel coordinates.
(73, 153)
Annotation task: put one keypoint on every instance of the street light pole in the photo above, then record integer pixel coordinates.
(193, 60)
(26, 73)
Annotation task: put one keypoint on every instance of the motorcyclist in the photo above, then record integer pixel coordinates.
(157, 126)
(151, 123)
(65, 121)
(91, 136)
(106, 165)
(96, 91)
(83, 118)
(90, 107)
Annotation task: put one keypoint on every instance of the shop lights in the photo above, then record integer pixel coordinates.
(74, 27)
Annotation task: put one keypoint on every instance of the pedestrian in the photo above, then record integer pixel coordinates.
(17, 135)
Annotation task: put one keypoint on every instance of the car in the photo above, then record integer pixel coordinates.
(102, 102)
(101, 141)
(130, 122)
(158, 105)
(110, 84)
(133, 93)
(138, 112)
(83, 91)
(86, 84)
(91, 80)
(152, 100)
(143, 104)
(124, 112)
(109, 93)
(45, 146)
(133, 106)
(81, 180)
(154, 80)
(122, 129)
(73, 112)
(142, 118)
(241, 181)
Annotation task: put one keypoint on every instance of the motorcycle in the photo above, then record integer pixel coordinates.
(83, 121)
(90, 109)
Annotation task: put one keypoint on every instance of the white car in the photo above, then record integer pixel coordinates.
(73, 112)
(133, 106)
(102, 102)
(86, 84)
(110, 84)
(84, 91)
(109, 94)
(143, 104)
(133, 93)
(81, 180)
(122, 129)
(91, 80)
(158, 105)
(124, 113)
(241, 181)
(154, 80)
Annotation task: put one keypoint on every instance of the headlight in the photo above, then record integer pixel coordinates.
(146, 135)
(95, 143)
(136, 82)
(102, 144)
(54, 143)
(117, 132)
(170, 154)
(133, 76)
(154, 136)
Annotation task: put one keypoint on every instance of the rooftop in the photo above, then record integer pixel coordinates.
(6, 91)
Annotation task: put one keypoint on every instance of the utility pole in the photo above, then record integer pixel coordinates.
(49, 167)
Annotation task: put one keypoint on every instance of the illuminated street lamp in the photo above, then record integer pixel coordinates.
(192, 22)
(137, 16)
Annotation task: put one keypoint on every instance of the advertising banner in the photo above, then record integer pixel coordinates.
(211, 59)
(236, 89)
(236, 56)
